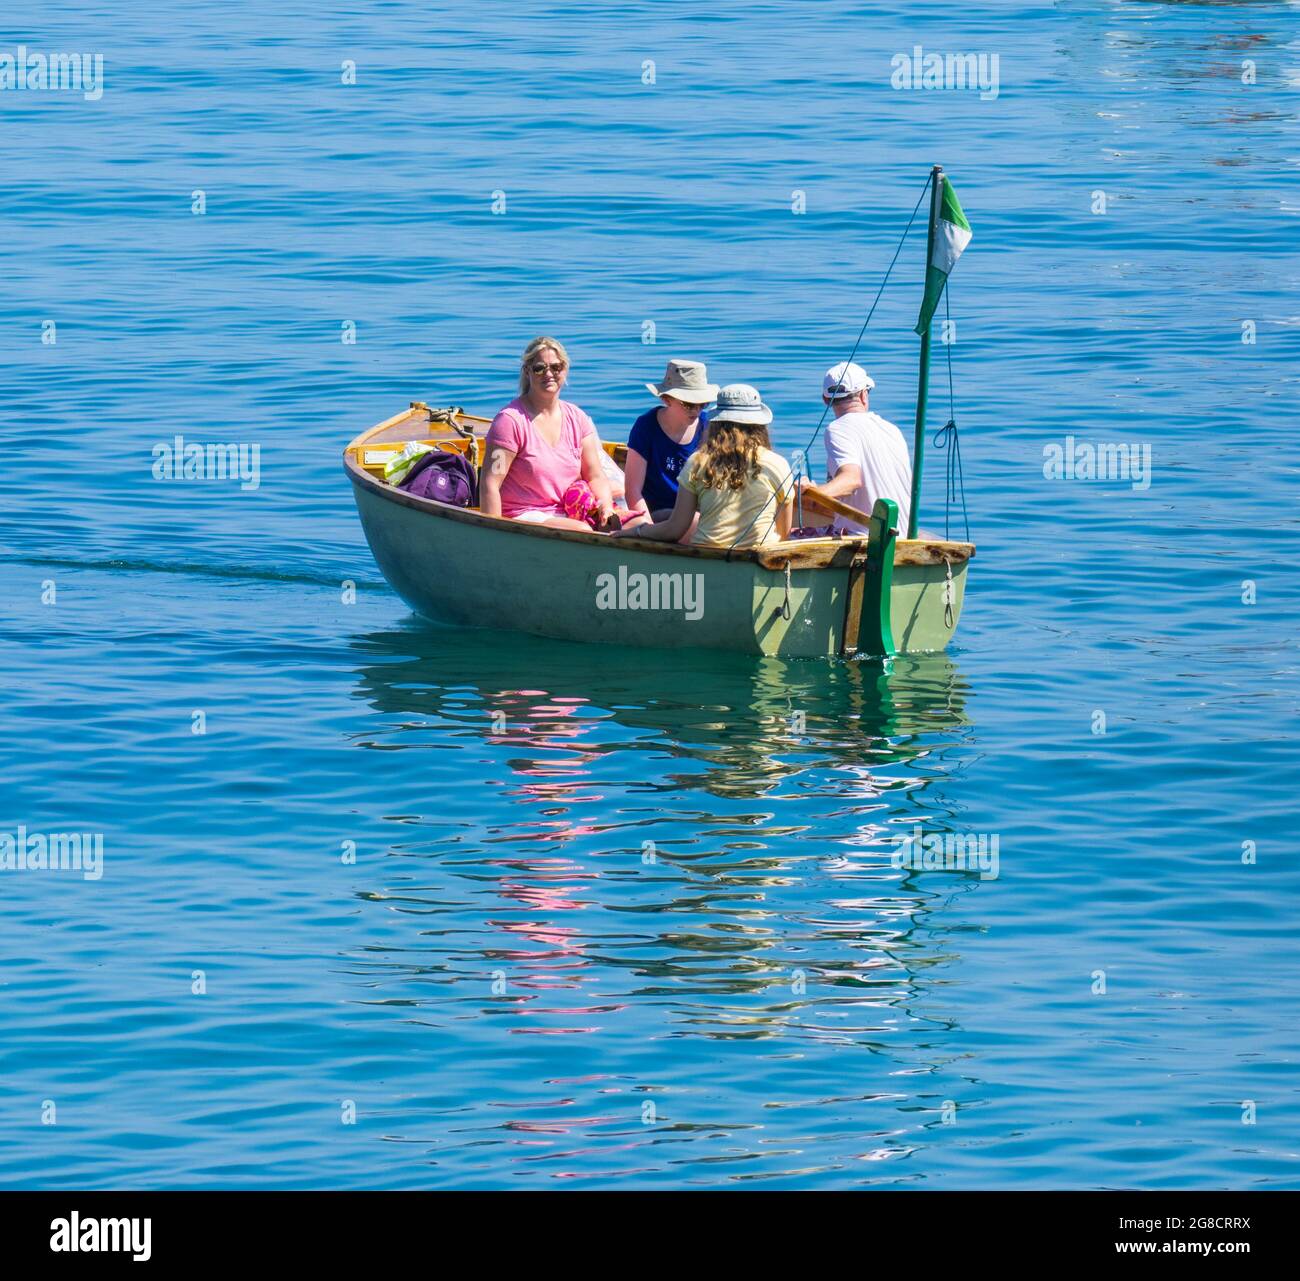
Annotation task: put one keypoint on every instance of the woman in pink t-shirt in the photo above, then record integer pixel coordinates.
(539, 446)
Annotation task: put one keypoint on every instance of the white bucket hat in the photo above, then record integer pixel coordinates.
(846, 379)
(741, 403)
(686, 380)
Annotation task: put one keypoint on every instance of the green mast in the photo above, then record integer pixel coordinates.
(923, 384)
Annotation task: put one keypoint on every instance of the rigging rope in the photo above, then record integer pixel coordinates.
(857, 343)
(947, 439)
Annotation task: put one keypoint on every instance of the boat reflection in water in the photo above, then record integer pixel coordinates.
(688, 825)
(728, 725)
(590, 867)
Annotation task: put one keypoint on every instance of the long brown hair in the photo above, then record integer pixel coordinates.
(728, 454)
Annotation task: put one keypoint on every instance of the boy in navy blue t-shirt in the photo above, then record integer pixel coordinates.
(662, 439)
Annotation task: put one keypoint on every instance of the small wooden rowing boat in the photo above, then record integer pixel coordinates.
(876, 595)
(812, 597)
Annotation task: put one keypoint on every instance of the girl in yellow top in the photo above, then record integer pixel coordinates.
(744, 492)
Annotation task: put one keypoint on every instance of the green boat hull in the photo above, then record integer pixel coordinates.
(460, 568)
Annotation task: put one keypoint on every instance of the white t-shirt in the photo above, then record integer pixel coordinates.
(866, 440)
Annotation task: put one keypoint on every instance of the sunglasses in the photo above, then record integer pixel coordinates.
(541, 368)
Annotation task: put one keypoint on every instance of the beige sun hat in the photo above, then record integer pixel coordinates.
(686, 380)
(740, 403)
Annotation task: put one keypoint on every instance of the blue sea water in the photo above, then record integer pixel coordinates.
(390, 920)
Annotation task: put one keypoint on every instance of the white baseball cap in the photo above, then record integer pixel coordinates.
(846, 379)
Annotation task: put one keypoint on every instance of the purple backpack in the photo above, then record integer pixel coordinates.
(443, 476)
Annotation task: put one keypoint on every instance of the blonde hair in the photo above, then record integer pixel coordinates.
(728, 454)
(530, 351)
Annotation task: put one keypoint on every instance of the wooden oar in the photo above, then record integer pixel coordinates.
(814, 498)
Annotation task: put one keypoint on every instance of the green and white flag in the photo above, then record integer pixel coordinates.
(951, 236)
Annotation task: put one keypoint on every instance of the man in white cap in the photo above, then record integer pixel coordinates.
(866, 455)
